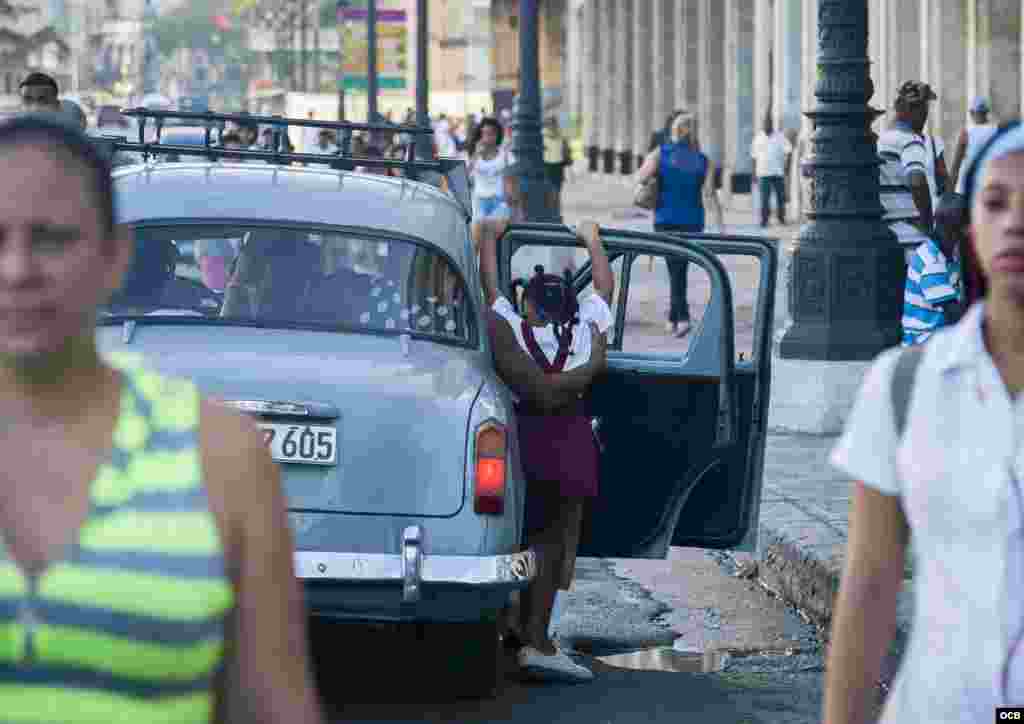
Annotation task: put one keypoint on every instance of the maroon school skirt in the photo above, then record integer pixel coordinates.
(559, 448)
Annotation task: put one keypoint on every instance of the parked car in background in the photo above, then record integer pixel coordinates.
(354, 331)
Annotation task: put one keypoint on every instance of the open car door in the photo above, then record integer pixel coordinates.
(680, 422)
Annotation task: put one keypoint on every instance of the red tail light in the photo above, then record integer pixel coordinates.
(489, 497)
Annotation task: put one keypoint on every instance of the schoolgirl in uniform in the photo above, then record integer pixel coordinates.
(548, 353)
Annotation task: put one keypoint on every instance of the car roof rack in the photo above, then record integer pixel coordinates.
(452, 169)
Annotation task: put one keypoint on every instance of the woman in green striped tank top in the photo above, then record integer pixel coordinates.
(145, 556)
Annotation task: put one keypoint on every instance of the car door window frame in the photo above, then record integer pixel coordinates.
(701, 358)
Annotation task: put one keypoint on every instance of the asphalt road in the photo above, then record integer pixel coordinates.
(643, 627)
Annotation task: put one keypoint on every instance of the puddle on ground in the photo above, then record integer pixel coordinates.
(668, 659)
(659, 659)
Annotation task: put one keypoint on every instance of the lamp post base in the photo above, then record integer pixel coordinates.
(844, 291)
(813, 397)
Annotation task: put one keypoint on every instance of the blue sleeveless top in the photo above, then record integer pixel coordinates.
(681, 174)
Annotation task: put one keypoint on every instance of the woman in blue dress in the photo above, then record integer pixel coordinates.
(685, 181)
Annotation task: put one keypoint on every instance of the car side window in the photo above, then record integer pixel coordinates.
(665, 295)
(616, 265)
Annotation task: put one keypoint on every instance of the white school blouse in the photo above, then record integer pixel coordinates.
(953, 471)
(592, 309)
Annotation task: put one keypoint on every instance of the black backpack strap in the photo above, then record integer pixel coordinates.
(902, 384)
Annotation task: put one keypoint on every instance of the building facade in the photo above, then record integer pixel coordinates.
(734, 61)
(461, 71)
(554, 28)
(30, 40)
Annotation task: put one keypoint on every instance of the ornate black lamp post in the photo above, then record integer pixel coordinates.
(424, 147)
(150, 52)
(847, 273)
(371, 61)
(528, 143)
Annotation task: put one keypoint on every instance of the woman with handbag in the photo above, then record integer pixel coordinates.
(675, 180)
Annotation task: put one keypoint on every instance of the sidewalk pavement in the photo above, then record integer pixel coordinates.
(804, 517)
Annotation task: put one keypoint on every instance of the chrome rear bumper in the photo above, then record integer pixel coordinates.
(412, 568)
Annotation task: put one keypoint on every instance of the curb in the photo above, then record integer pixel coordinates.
(807, 578)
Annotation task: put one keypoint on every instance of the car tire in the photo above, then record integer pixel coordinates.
(471, 655)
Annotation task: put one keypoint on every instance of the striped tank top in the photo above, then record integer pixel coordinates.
(129, 625)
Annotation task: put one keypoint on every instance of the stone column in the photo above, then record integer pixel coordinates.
(906, 48)
(571, 66)
(690, 33)
(994, 54)
(623, 85)
(664, 60)
(1005, 58)
(787, 111)
(739, 92)
(644, 70)
(591, 90)
(809, 41)
(978, 47)
(711, 80)
(846, 276)
(764, 44)
(943, 64)
(880, 41)
(764, 55)
(609, 74)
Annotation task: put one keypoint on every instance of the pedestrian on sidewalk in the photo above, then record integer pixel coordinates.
(488, 168)
(935, 443)
(933, 296)
(663, 134)
(972, 137)
(685, 180)
(906, 191)
(548, 352)
(772, 152)
(145, 552)
(557, 157)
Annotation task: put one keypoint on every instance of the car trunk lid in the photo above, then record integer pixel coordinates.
(399, 407)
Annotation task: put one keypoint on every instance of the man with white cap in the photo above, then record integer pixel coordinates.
(972, 137)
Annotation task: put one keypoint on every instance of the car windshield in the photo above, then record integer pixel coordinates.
(275, 276)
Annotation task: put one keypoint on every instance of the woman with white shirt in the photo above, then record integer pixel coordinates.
(566, 343)
(952, 478)
(488, 166)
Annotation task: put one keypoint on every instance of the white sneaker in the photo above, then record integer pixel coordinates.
(552, 667)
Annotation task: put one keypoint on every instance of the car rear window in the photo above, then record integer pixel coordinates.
(294, 278)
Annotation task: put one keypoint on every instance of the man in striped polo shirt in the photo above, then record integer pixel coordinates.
(933, 296)
(905, 192)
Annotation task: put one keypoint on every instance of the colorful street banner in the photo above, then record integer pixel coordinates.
(392, 44)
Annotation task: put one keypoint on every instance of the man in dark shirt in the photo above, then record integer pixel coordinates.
(39, 93)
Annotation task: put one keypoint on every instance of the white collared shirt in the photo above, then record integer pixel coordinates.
(592, 309)
(953, 471)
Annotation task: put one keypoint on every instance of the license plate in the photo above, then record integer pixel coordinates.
(308, 444)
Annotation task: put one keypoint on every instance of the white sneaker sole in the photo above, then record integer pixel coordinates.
(550, 668)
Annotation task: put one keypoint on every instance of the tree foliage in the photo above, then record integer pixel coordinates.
(192, 26)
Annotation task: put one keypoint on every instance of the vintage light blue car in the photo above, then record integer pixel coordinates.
(344, 312)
